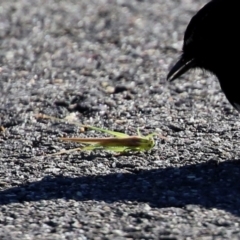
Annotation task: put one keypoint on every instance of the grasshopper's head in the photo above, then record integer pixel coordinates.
(149, 143)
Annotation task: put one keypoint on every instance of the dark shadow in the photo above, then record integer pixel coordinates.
(205, 184)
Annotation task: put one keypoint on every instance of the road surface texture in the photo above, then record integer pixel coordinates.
(104, 62)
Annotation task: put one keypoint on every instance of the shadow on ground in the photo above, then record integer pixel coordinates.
(205, 184)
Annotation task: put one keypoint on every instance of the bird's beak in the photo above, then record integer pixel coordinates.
(180, 68)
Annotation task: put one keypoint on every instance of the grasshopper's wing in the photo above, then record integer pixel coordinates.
(89, 141)
(106, 148)
(113, 133)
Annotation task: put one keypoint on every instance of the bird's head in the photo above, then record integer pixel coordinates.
(202, 43)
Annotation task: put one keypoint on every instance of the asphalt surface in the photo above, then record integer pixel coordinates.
(105, 62)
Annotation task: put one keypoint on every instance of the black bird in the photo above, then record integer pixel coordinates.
(212, 43)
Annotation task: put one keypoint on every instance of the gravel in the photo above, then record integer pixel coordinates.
(105, 63)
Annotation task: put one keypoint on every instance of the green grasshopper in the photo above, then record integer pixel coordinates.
(121, 142)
